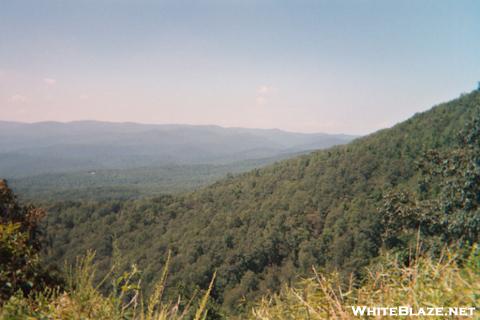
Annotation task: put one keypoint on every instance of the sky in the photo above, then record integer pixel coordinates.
(309, 66)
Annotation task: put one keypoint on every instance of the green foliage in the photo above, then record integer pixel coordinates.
(446, 282)
(447, 205)
(103, 184)
(83, 299)
(262, 228)
(20, 269)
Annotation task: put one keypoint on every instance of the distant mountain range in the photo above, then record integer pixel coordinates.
(331, 209)
(54, 147)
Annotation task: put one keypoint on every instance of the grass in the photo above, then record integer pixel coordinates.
(82, 299)
(445, 282)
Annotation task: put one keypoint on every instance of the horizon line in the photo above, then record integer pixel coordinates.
(181, 124)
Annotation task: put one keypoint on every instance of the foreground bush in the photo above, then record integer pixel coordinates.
(20, 268)
(445, 282)
(83, 300)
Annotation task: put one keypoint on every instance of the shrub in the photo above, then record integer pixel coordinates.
(445, 282)
(82, 299)
(20, 268)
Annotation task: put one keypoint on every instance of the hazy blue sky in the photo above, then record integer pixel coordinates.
(332, 66)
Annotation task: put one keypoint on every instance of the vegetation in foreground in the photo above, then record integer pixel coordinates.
(29, 291)
(425, 282)
(449, 281)
(83, 299)
(334, 209)
(270, 235)
(20, 267)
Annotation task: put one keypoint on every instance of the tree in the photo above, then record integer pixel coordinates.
(447, 204)
(20, 269)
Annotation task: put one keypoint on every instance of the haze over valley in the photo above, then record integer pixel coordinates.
(129, 159)
(239, 159)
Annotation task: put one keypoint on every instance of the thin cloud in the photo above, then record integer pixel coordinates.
(18, 98)
(264, 92)
(265, 89)
(261, 101)
(49, 81)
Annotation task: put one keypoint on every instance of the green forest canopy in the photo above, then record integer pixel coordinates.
(262, 228)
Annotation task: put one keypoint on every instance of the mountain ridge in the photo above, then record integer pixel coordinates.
(164, 125)
(101, 145)
(259, 228)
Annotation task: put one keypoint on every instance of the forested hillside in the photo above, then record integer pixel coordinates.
(260, 229)
(108, 184)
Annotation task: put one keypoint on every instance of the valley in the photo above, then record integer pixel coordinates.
(318, 209)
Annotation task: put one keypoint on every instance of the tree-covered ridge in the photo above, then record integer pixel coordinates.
(28, 291)
(132, 183)
(261, 228)
(445, 208)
